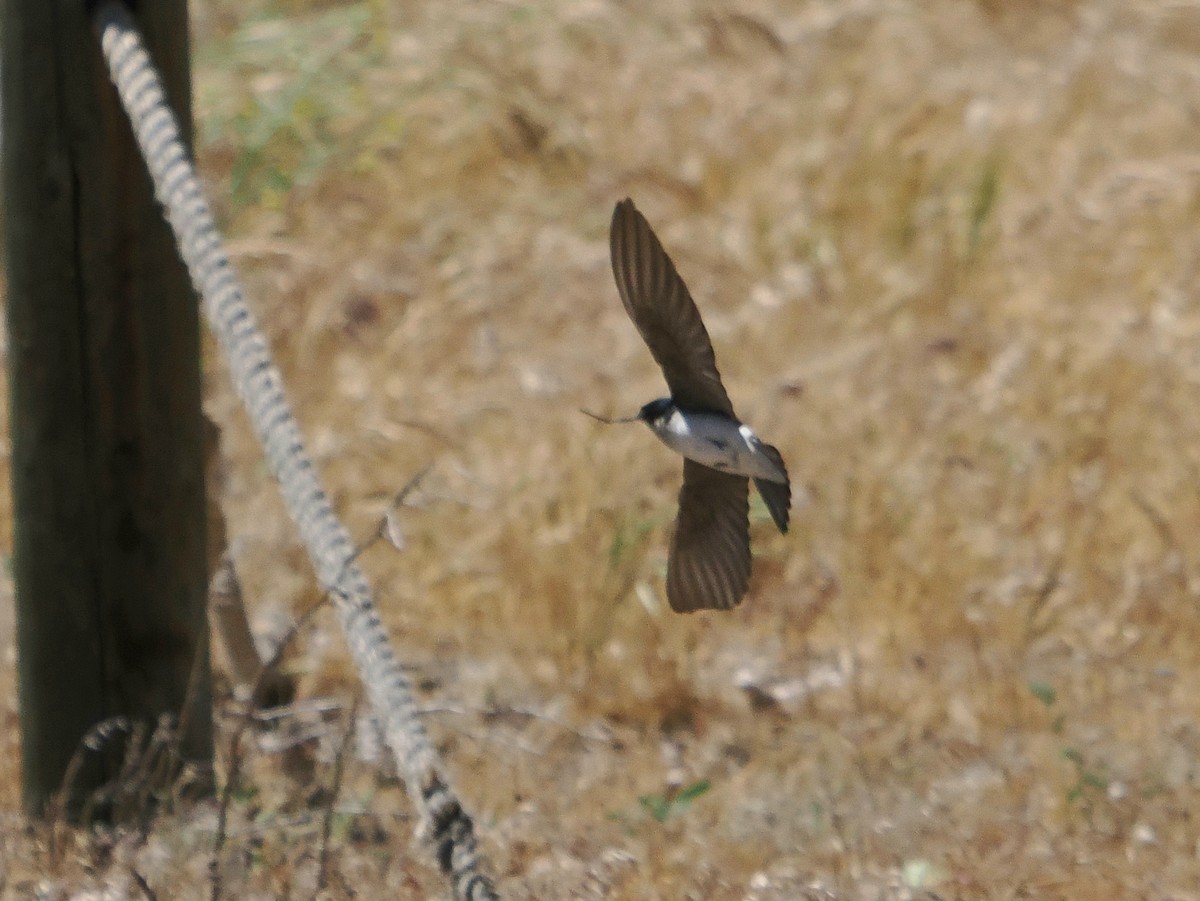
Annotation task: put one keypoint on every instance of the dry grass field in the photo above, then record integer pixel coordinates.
(948, 253)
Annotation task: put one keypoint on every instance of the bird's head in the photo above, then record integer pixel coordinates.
(655, 410)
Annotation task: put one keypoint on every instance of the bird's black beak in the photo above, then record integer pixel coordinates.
(608, 421)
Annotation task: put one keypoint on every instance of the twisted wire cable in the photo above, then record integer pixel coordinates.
(443, 821)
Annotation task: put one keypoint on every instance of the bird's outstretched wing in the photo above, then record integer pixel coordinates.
(709, 566)
(660, 306)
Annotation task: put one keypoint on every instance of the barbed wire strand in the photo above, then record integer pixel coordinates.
(442, 819)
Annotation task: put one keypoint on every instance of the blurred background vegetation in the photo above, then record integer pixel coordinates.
(947, 254)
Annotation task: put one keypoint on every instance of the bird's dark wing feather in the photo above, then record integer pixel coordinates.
(776, 495)
(709, 566)
(660, 306)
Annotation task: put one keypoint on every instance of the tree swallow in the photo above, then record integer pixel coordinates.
(709, 562)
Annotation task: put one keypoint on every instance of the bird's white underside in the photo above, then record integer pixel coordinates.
(717, 442)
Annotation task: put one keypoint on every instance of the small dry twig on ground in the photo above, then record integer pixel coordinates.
(339, 770)
(143, 885)
(387, 527)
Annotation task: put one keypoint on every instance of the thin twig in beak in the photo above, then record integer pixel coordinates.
(608, 421)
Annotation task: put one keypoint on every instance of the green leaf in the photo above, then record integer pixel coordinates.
(661, 808)
(1044, 692)
(987, 189)
(657, 806)
(692, 792)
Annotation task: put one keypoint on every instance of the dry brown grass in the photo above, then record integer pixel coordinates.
(947, 252)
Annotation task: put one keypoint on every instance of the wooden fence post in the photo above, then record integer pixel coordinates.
(104, 382)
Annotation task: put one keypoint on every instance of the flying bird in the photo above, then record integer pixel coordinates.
(709, 562)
